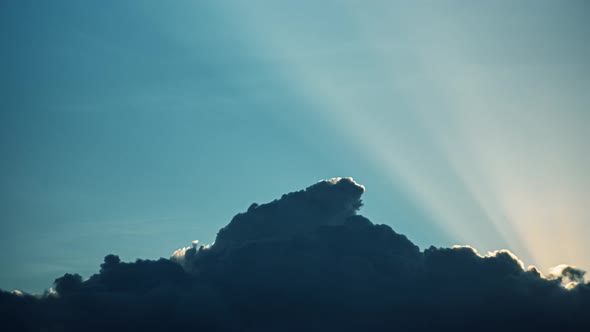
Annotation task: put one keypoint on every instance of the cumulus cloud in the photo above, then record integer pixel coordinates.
(308, 261)
(570, 276)
(324, 203)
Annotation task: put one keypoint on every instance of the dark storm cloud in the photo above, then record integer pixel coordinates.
(308, 262)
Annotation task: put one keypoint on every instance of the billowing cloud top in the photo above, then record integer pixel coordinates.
(328, 202)
(307, 261)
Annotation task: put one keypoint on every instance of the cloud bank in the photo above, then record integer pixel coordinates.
(309, 261)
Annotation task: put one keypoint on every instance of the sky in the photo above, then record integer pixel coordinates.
(134, 128)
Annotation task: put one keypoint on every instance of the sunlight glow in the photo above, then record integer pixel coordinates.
(493, 151)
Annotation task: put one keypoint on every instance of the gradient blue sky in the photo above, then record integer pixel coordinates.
(135, 127)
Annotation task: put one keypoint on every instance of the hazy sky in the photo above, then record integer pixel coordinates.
(136, 127)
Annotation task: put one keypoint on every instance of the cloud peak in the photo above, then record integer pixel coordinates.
(328, 202)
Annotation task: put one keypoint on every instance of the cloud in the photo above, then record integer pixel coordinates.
(308, 261)
(570, 276)
(325, 203)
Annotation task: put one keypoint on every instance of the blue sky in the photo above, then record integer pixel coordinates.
(136, 127)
